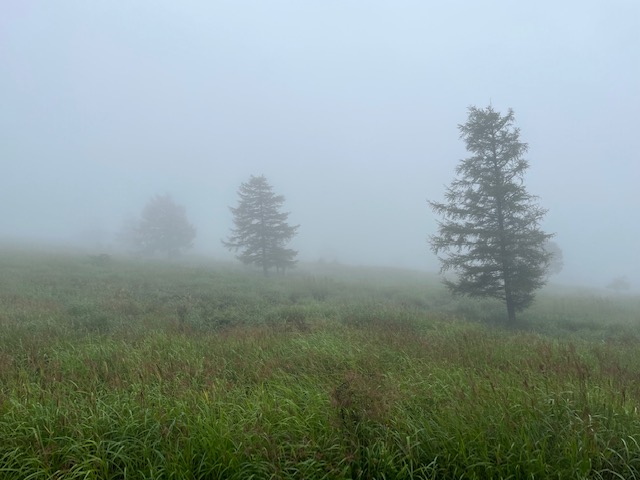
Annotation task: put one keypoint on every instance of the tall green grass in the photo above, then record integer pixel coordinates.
(149, 370)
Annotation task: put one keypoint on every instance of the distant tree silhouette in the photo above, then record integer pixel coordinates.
(556, 263)
(261, 231)
(163, 227)
(619, 284)
(490, 227)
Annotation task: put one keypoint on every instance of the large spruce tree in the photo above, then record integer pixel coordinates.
(261, 231)
(490, 229)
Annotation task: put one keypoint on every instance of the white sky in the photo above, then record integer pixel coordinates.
(350, 108)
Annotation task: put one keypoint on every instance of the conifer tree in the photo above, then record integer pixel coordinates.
(490, 228)
(261, 231)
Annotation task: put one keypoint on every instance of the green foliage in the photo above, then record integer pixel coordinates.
(261, 231)
(375, 378)
(490, 228)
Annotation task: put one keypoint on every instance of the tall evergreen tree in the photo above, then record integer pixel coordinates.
(261, 231)
(490, 229)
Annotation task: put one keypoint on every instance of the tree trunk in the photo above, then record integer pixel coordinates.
(504, 260)
(263, 242)
(511, 308)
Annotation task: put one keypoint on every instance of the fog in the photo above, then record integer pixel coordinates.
(350, 109)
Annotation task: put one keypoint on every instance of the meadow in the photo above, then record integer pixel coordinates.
(134, 369)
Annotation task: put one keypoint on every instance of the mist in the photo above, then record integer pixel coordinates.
(350, 109)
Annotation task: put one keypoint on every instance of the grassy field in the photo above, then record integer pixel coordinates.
(131, 369)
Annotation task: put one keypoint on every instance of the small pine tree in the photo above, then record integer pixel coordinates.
(490, 228)
(261, 231)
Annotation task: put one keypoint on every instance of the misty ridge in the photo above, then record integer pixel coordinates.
(107, 108)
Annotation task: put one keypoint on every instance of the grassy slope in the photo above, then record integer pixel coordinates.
(143, 370)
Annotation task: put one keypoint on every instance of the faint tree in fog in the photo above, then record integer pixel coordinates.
(490, 225)
(556, 263)
(619, 284)
(261, 231)
(163, 227)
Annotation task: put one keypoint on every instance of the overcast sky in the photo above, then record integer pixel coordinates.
(350, 108)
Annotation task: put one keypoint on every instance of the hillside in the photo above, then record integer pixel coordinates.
(121, 368)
